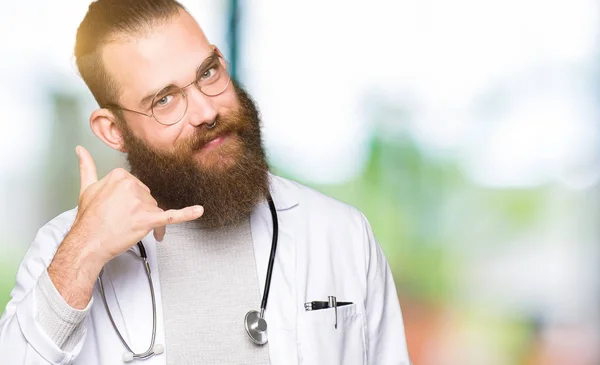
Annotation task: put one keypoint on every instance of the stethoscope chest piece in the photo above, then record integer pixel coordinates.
(256, 327)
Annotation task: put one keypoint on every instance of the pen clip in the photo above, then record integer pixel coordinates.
(333, 304)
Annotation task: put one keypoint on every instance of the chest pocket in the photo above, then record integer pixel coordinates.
(321, 343)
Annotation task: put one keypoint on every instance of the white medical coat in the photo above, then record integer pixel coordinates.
(325, 248)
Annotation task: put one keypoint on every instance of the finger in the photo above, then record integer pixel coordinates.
(147, 199)
(144, 186)
(122, 174)
(87, 169)
(174, 216)
(159, 233)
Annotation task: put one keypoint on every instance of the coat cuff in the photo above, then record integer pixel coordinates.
(37, 337)
(63, 324)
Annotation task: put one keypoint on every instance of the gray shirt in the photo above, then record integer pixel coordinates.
(209, 282)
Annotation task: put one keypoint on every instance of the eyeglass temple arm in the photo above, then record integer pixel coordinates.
(114, 106)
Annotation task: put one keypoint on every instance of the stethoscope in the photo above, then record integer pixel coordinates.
(254, 321)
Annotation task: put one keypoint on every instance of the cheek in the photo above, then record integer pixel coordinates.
(228, 101)
(157, 135)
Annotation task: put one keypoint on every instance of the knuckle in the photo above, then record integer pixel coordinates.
(128, 183)
(140, 219)
(119, 173)
(136, 220)
(170, 216)
(138, 203)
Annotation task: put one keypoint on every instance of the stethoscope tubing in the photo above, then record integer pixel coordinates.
(265, 298)
(143, 256)
(150, 351)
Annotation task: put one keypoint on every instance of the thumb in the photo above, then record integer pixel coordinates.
(87, 169)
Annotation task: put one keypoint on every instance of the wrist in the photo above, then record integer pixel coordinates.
(75, 268)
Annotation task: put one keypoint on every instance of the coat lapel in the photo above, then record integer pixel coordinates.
(281, 311)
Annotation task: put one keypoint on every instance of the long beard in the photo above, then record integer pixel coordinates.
(227, 185)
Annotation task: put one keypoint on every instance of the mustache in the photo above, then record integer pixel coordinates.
(224, 126)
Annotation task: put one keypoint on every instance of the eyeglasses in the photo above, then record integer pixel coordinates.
(170, 104)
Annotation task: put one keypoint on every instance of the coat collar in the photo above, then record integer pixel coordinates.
(284, 192)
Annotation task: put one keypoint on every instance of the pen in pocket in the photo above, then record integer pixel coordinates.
(330, 303)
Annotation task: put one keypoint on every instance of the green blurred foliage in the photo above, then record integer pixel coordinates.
(425, 212)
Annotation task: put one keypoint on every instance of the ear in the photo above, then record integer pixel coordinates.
(217, 50)
(104, 125)
(222, 59)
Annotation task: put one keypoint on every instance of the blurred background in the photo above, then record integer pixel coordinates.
(466, 131)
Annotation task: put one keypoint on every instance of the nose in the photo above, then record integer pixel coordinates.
(201, 109)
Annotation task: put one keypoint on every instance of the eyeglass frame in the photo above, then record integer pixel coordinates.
(213, 55)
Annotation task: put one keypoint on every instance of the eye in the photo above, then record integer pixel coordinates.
(208, 73)
(163, 101)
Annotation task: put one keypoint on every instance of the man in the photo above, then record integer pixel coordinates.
(207, 213)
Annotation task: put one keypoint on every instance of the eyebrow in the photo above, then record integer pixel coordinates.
(208, 62)
(148, 98)
(205, 63)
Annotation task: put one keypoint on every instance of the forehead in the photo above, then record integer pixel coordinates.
(167, 53)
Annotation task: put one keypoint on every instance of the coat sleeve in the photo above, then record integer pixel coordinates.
(386, 339)
(23, 339)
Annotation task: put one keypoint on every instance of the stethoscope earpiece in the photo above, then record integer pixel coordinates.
(156, 350)
(127, 357)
